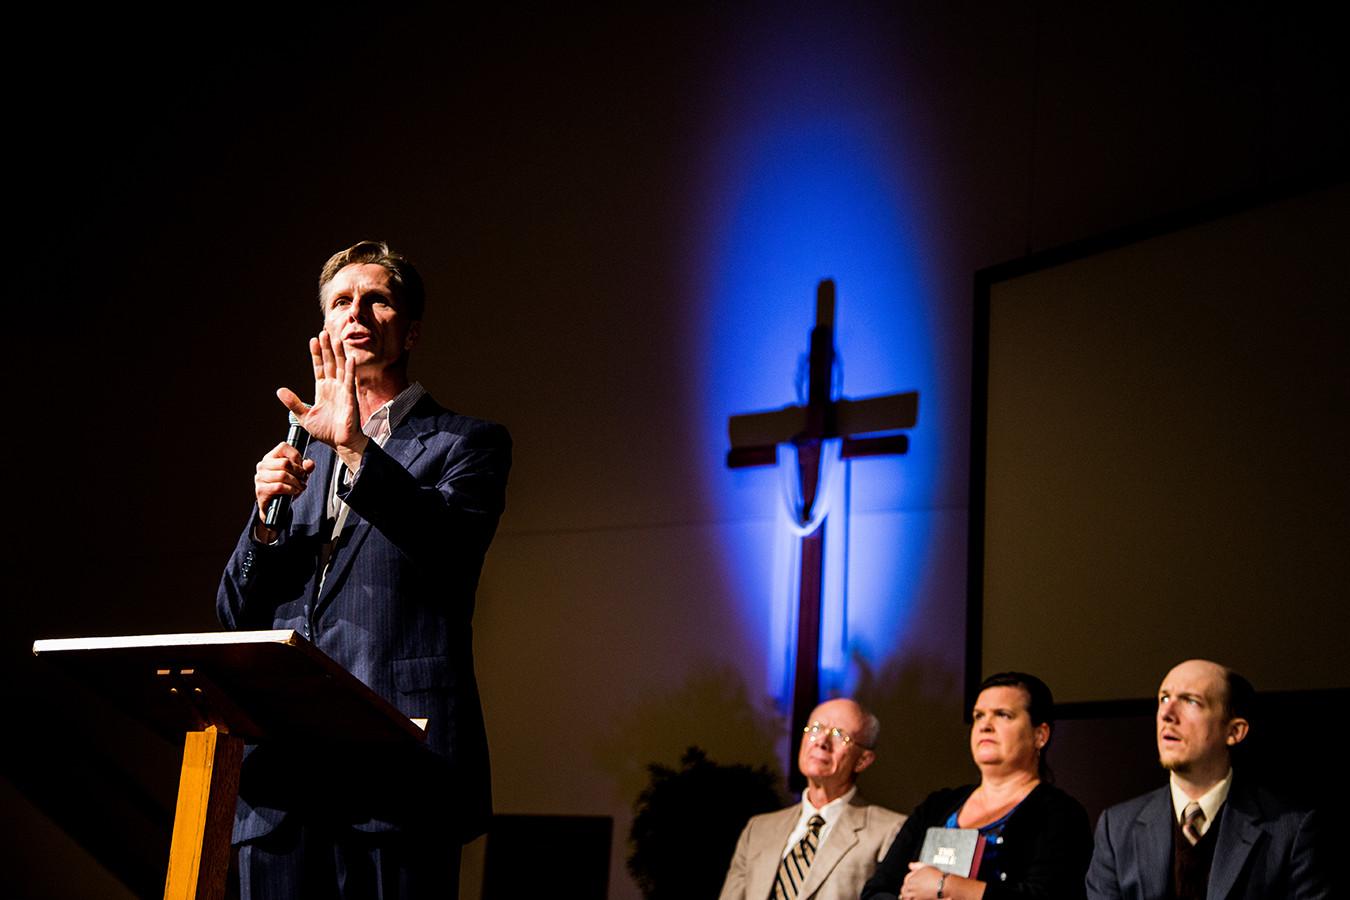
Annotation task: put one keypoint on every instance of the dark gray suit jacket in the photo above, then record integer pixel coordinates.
(396, 611)
(1265, 848)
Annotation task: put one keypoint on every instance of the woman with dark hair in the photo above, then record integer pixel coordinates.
(1037, 839)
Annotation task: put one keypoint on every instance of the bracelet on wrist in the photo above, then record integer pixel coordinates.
(941, 882)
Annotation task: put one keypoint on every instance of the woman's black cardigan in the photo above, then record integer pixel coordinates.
(1044, 853)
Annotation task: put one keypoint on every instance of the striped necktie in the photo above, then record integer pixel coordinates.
(1192, 817)
(792, 870)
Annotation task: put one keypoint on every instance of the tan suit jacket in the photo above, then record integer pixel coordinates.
(857, 841)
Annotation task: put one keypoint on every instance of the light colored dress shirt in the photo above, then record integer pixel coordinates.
(830, 812)
(377, 427)
(1209, 803)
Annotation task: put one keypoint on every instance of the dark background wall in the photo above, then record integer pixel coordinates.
(179, 183)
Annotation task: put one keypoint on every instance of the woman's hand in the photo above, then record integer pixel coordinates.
(922, 884)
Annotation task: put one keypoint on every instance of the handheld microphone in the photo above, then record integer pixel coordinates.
(298, 438)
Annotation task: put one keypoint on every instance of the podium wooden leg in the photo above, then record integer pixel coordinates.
(199, 858)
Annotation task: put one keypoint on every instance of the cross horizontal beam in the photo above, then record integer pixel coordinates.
(756, 436)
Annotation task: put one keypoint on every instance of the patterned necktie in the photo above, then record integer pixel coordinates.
(792, 870)
(1192, 817)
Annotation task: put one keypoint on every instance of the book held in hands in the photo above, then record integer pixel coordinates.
(954, 850)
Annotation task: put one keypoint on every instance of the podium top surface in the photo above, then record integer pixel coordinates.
(256, 684)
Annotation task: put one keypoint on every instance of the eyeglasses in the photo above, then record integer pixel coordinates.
(818, 732)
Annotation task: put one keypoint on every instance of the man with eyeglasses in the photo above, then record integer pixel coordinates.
(828, 845)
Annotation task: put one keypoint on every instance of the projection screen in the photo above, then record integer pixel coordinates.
(1159, 453)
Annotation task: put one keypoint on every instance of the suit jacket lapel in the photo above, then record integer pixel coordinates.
(772, 843)
(843, 838)
(1238, 833)
(1152, 837)
(405, 443)
(404, 446)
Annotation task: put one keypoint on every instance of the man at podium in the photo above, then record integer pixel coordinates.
(375, 559)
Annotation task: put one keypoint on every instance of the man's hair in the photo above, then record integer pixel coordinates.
(1238, 702)
(407, 282)
(1040, 705)
(870, 732)
(1239, 697)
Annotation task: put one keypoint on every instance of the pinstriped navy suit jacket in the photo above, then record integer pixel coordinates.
(396, 611)
(1265, 848)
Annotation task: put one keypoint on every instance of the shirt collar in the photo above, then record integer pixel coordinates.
(1209, 803)
(391, 415)
(830, 811)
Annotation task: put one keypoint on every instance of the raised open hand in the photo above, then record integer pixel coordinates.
(335, 417)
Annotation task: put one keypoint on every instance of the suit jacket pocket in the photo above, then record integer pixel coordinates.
(429, 673)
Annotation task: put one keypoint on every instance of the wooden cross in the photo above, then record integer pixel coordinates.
(754, 442)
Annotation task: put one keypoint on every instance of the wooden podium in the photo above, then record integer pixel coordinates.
(221, 691)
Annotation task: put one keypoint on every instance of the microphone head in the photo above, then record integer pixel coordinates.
(295, 420)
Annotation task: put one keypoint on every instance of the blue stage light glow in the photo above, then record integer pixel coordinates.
(795, 197)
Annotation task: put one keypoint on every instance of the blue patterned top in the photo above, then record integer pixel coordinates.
(992, 834)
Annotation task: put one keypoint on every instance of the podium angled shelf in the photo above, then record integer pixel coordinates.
(281, 686)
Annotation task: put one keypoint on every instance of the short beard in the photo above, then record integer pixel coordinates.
(1180, 766)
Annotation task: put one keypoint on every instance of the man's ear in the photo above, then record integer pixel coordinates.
(414, 334)
(865, 759)
(1237, 730)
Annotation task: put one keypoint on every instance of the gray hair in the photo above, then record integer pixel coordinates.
(871, 730)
